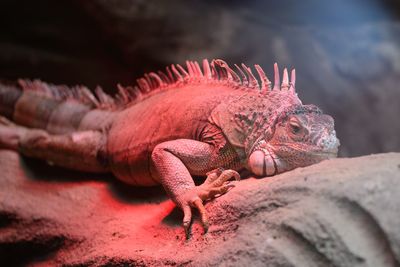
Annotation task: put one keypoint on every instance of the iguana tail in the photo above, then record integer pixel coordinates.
(57, 109)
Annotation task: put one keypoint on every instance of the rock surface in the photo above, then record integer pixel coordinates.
(341, 212)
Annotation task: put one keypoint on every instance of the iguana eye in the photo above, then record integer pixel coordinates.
(295, 127)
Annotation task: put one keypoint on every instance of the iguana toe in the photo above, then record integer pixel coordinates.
(215, 184)
(215, 181)
(6, 122)
(10, 134)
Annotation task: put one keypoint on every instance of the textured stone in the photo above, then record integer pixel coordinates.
(341, 212)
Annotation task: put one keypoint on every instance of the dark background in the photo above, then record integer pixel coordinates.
(346, 53)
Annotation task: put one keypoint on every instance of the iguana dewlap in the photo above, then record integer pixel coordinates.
(208, 121)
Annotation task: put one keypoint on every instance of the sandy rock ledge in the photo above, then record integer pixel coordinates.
(342, 212)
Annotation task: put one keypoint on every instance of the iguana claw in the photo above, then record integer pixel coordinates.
(215, 184)
(6, 122)
(10, 134)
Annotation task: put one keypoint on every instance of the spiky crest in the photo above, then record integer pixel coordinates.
(218, 71)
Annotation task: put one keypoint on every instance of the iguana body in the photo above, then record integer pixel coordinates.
(191, 121)
(191, 107)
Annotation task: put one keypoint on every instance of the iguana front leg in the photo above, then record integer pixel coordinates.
(174, 162)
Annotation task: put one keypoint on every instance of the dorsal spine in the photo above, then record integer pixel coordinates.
(218, 71)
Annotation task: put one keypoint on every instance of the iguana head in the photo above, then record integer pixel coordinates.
(300, 138)
(270, 128)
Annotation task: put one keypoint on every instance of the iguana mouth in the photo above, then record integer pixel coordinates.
(330, 153)
(315, 150)
(263, 161)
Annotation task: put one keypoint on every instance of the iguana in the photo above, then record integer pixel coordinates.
(204, 121)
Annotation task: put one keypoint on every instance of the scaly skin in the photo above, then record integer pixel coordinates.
(210, 121)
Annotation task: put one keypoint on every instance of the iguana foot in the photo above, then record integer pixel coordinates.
(10, 134)
(215, 184)
(5, 122)
(13, 135)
